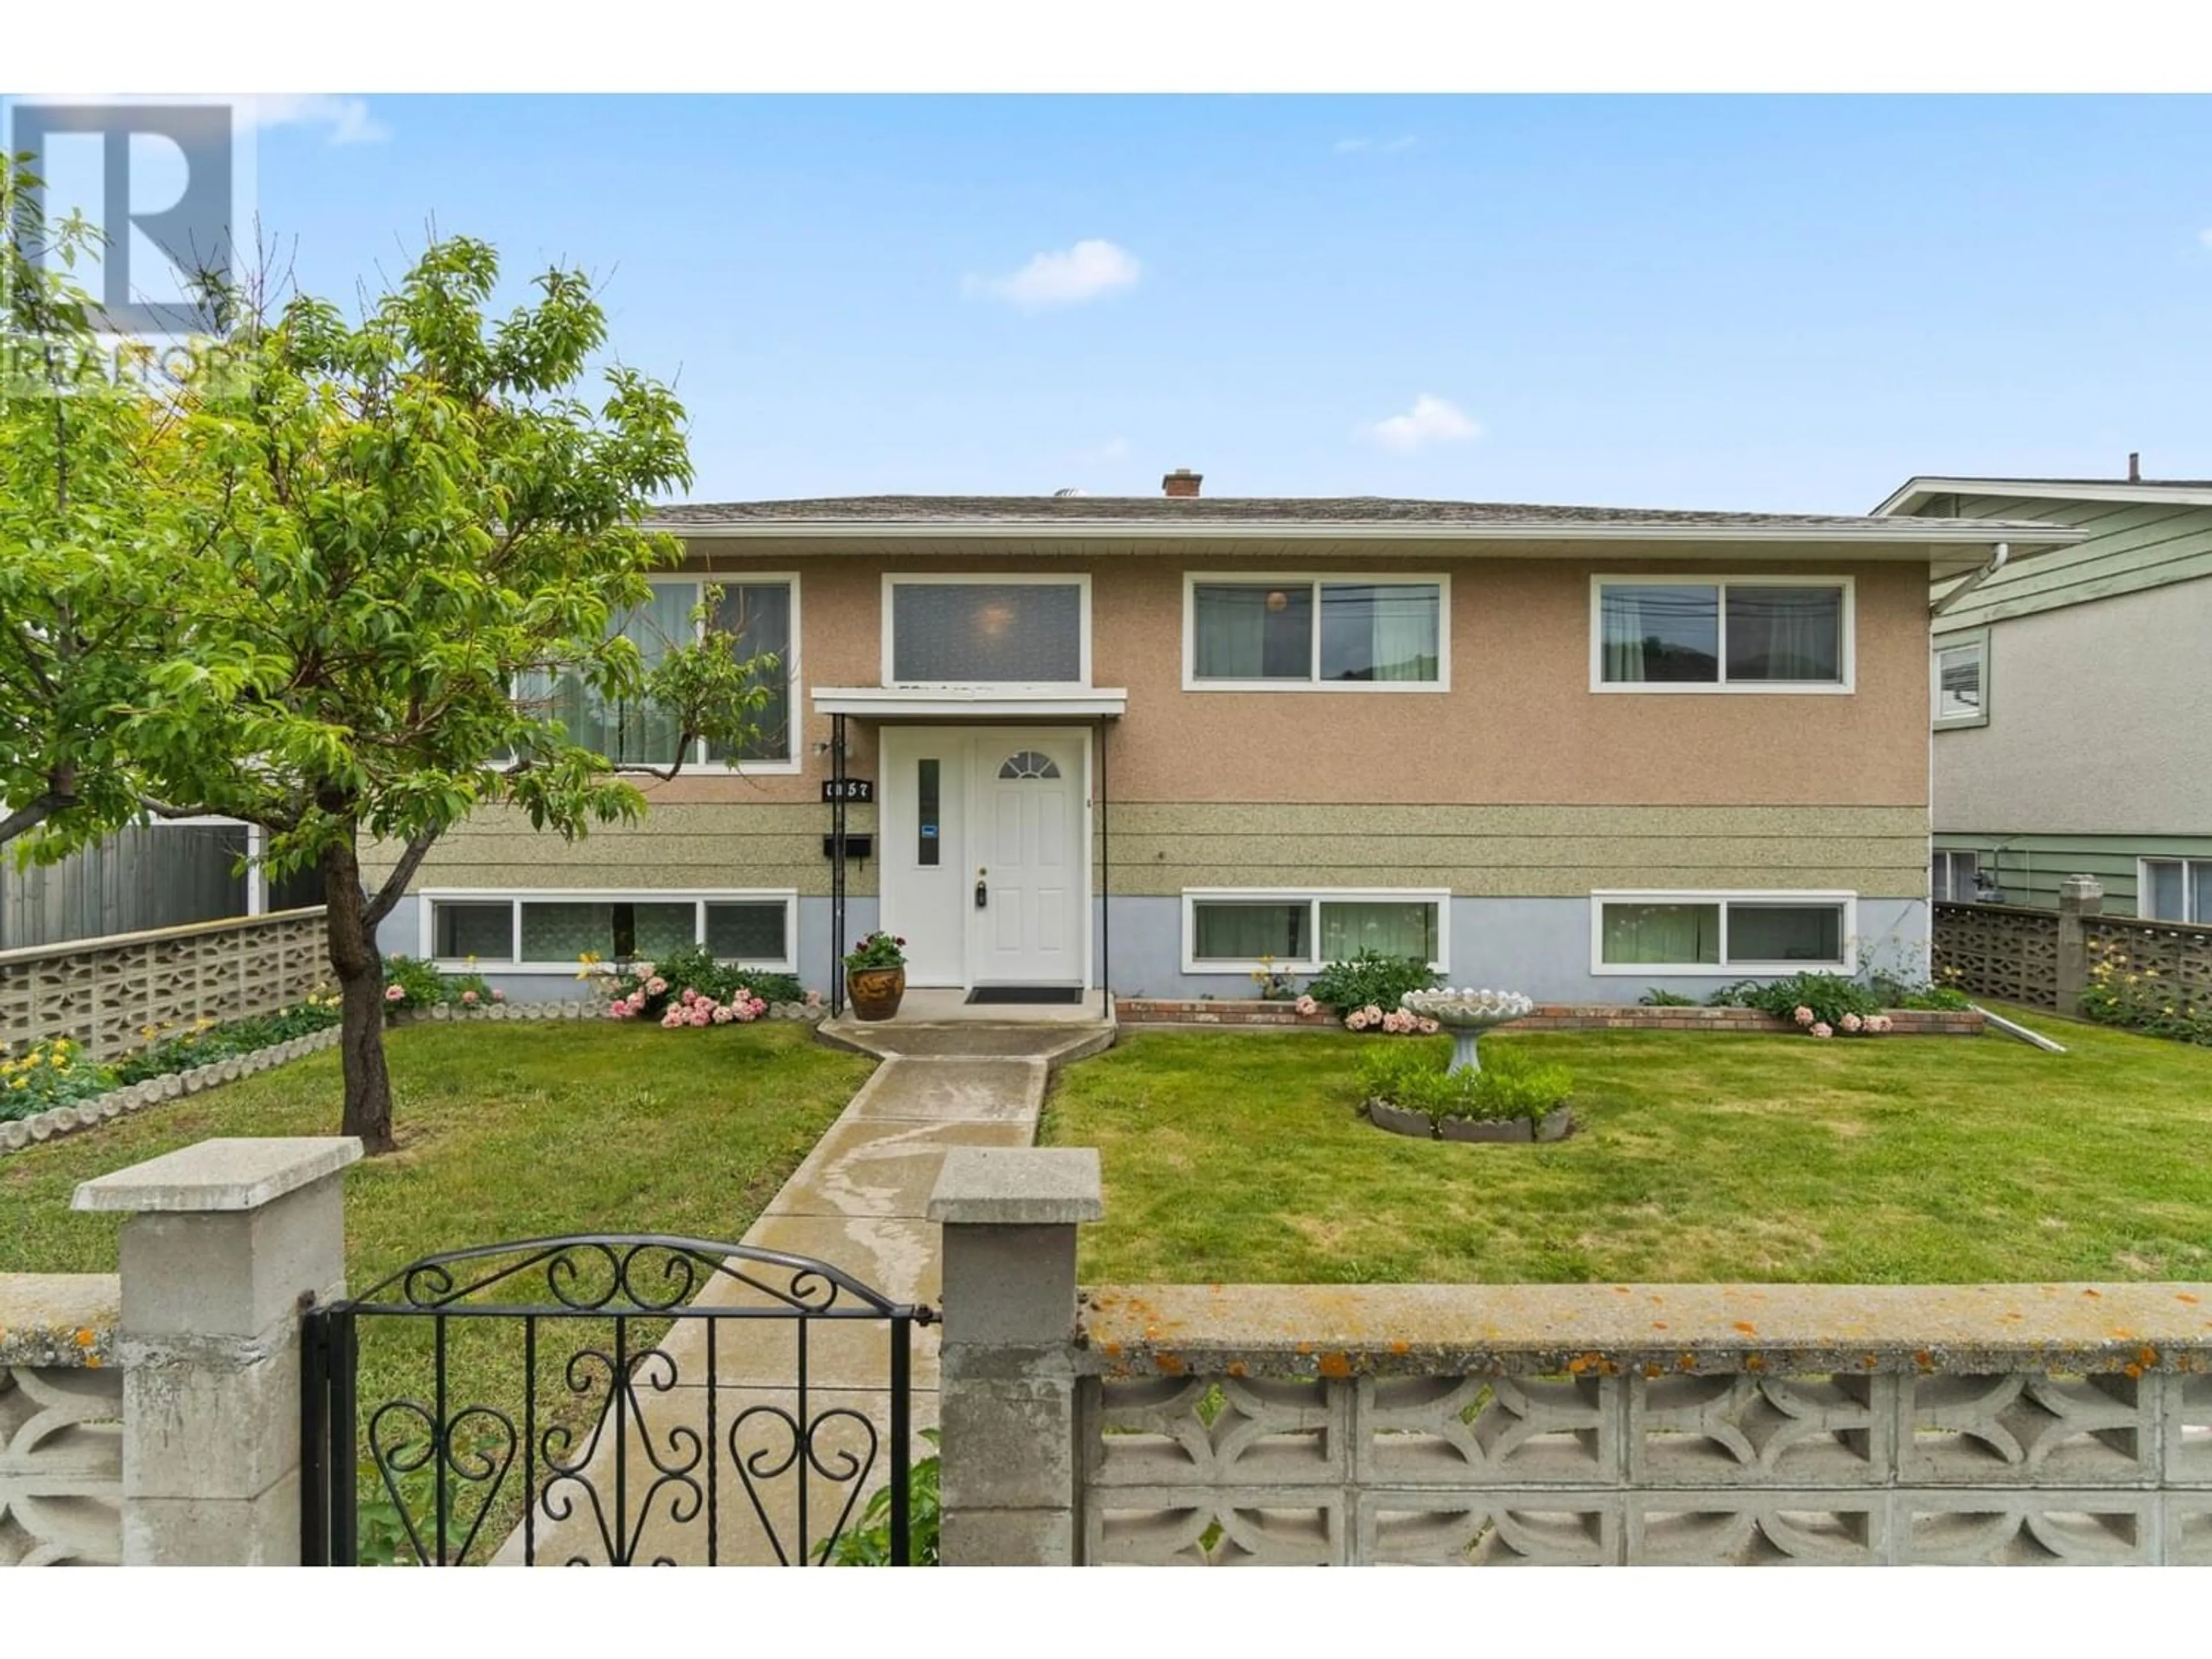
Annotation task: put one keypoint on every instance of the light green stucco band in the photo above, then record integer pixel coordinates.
(1519, 852)
(686, 845)
(1158, 847)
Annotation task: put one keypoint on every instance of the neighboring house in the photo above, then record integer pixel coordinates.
(2073, 697)
(1154, 742)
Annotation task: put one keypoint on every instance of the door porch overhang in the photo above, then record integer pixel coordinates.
(959, 704)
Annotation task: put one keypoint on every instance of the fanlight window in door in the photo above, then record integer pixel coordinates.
(1029, 764)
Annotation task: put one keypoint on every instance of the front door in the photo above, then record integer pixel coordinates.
(983, 868)
(1026, 844)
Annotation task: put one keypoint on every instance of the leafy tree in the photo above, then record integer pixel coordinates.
(407, 518)
(95, 564)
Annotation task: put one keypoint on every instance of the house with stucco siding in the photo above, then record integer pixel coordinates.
(1153, 743)
(2072, 697)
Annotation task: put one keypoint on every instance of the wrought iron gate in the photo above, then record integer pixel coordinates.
(616, 1398)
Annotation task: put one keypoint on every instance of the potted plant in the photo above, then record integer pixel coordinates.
(875, 975)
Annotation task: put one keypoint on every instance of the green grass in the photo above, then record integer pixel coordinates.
(1238, 1157)
(506, 1132)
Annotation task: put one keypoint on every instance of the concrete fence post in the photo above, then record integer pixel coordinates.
(227, 1239)
(1006, 1401)
(2078, 897)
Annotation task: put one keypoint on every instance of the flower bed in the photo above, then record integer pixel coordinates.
(1547, 1017)
(124, 1098)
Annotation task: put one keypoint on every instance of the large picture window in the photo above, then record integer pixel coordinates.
(1703, 634)
(1301, 633)
(989, 631)
(1230, 929)
(548, 932)
(1722, 932)
(761, 613)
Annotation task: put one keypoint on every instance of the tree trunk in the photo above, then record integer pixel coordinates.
(360, 968)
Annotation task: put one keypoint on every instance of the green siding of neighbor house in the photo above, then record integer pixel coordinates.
(2132, 545)
(1161, 849)
(2028, 868)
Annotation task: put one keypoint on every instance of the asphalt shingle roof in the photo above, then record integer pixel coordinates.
(1155, 511)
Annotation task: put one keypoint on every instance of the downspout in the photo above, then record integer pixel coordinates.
(1105, 880)
(1997, 561)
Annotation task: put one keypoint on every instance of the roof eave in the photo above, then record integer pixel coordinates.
(1967, 532)
(1915, 493)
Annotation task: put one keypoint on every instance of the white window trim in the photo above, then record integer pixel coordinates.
(1080, 581)
(1743, 687)
(1315, 579)
(1938, 720)
(2190, 878)
(1313, 897)
(516, 897)
(795, 764)
(1724, 969)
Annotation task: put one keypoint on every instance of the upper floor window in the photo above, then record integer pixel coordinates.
(1962, 680)
(761, 613)
(1703, 634)
(987, 630)
(1258, 633)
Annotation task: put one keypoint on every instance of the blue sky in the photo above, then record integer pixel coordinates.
(1788, 304)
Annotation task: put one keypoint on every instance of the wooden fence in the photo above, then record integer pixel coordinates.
(102, 992)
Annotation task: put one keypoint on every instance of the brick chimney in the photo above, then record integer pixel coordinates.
(1183, 482)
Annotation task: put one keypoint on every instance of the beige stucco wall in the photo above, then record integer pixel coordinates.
(1519, 780)
(2098, 719)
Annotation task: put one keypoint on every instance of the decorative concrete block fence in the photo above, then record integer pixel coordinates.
(61, 1421)
(152, 1417)
(134, 1097)
(1491, 1424)
(101, 993)
(2017, 953)
(1546, 1016)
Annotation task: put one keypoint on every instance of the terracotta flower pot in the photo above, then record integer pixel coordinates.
(875, 992)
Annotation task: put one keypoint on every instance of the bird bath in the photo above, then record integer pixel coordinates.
(1467, 1015)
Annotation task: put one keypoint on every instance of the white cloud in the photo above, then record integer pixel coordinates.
(2205, 237)
(1113, 449)
(1375, 146)
(1090, 268)
(1430, 421)
(347, 120)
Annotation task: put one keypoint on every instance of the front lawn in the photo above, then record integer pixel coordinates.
(1238, 1157)
(506, 1131)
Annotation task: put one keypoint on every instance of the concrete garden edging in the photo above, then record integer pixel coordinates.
(131, 1098)
(1547, 1017)
(1516, 1131)
(571, 1008)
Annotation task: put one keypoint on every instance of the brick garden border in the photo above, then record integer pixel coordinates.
(1547, 1017)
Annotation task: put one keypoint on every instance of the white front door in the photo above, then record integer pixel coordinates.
(1025, 841)
(983, 857)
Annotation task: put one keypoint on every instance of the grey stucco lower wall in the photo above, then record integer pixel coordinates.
(817, 954)
(1538, 946)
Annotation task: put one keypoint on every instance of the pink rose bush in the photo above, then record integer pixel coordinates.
(1392, 1022)
(395, 993)
(1306, 1005)
(1820, 1028)
(1803, 1015)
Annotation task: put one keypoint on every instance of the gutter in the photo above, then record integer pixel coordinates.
(1998, 559)
(1249, 530)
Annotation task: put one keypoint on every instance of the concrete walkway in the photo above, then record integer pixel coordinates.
(857, 1203)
